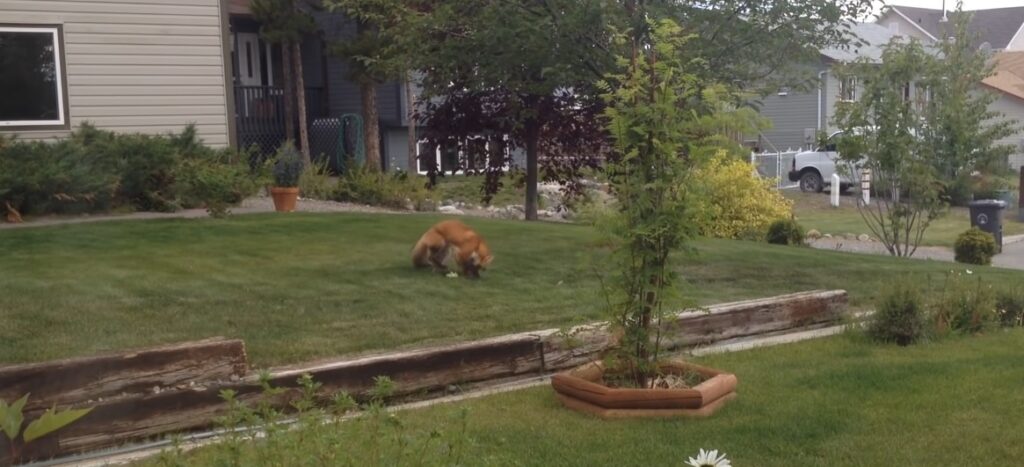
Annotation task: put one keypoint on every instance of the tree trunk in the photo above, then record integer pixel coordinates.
(532, 135)
(410, 99)
(496, 152)
(371, 129)
(289, 99)
(300, 95)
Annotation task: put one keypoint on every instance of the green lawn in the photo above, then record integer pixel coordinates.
(303, 286)
(814, 212)
(833, 402)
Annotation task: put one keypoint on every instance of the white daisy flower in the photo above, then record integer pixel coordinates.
(709, 459)
(969, 271)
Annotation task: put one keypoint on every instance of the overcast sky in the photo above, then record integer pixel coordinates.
(951, 4)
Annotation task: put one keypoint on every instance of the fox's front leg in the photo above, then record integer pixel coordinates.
(470, 270)
(437, 257)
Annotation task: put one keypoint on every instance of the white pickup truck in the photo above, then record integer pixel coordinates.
(814, 169)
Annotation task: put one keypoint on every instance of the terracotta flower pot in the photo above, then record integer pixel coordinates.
(284, 198)
(582, 389)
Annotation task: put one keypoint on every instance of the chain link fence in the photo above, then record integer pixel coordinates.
(775, 165)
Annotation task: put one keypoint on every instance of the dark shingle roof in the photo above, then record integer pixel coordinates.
(995, 26)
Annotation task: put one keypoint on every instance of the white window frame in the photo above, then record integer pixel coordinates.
(462, 157)
(848, 89)
(923, 95)
(62, 121)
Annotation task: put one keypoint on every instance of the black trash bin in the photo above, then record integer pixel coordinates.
(987, 215)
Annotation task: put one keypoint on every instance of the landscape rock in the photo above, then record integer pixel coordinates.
(826, 236)
(813, 234)
(864, 237)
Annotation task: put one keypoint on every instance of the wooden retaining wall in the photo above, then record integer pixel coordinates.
(147, 393)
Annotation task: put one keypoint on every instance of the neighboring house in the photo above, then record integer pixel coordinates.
(797, 116)
(144, 66)
(153, 67)
(1008, 80)
(1000, 28)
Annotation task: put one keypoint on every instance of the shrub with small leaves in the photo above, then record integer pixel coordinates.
(1010, 306)
(785, 232)
(965, 306)
(315, 182)
(288, 166)
(899, 316)
(975, 246)
(215, 183)
(397, 190)
(730, 201)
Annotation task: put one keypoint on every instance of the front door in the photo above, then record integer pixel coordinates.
(250, 60)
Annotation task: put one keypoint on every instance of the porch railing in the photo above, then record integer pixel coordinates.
(259, 114)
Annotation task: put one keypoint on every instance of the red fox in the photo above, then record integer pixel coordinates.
(452, 237)
(13, 216)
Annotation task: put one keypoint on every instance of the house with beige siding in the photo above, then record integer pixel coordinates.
(1008, 81)
(147, 66)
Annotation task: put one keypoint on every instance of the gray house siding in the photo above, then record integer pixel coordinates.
(795, 115)
(792, 116)
(396, 148)
(142, 66)
(344, 96)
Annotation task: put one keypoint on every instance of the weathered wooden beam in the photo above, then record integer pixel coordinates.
(754, 317)
(690, 328)
(427, 369)
(148, 414)
(74, 380)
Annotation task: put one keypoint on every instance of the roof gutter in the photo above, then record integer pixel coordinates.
(821, 90)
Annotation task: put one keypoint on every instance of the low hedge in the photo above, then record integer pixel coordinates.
(98, 171)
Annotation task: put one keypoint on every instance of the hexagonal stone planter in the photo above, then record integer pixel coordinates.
(582, 389)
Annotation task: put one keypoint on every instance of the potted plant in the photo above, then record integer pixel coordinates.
(288, 165)
(647, 119)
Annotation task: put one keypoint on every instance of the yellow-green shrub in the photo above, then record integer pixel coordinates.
(730, 201)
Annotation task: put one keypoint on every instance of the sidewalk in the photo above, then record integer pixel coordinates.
(255, 205)
(1012, 256)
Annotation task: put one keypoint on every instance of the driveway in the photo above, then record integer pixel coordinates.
(1012, 256)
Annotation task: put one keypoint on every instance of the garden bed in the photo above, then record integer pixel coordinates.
(144, 393)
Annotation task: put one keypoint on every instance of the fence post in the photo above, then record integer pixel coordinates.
(865, 186)
(778, 170)
(834, 194)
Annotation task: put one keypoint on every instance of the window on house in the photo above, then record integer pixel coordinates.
(848, 89)
(449, 158)
(476, 156)
(922, 95)
(31, 77)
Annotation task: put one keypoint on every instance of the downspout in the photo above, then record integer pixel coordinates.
(821, 90)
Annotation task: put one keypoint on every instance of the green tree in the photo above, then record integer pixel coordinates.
(762, 45)
(526, 58)
(282, 22)
(647, 111)
(962, 131)
(882, 133)
(374, 57)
